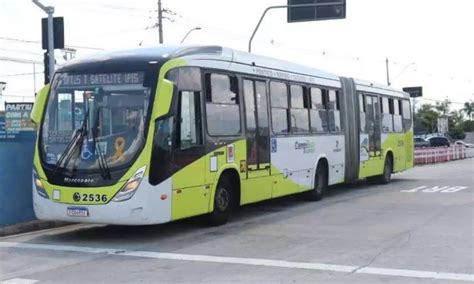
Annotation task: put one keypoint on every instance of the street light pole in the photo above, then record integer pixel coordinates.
(187, 34)
(160, 22)
(388, 72)
(50, 11)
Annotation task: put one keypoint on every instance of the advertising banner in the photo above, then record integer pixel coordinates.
(15, 123)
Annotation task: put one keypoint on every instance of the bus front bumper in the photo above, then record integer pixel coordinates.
(146, 207)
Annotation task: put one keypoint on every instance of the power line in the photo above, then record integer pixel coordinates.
(20, 60)
(20, 74)
(439, 101)
(38, 42)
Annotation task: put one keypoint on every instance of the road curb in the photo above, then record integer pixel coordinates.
(30, 226)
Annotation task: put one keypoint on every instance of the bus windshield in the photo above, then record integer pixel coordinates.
(94, 118)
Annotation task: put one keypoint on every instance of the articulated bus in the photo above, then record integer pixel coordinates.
(148, 136)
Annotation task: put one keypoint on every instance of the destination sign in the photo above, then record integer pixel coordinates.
(67, 80)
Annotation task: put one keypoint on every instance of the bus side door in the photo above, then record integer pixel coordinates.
(372, 166)
(190, 194)
(257, 185)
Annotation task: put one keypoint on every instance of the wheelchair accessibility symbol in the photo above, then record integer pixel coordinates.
(87, 151)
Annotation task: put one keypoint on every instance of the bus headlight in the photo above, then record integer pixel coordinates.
(38, 184)
(130, 187)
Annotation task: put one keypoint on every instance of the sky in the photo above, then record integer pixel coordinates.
(428, 43)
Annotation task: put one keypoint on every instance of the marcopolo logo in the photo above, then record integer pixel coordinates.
(308, 146)
(78, 180)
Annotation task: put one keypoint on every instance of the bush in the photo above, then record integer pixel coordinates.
(457, 133)
(468, 125)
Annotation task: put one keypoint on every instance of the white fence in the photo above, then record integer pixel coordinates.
(442, 154)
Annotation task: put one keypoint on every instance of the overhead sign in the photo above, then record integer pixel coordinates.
(316, 10)
(414, 91)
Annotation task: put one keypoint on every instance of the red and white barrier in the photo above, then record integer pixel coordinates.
(434, 155)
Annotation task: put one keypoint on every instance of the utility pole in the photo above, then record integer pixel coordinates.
(50, 11)
(388, 72)
(160, 22)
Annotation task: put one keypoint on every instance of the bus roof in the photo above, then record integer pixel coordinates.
(143, 56)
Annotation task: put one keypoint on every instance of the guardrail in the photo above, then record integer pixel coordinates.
(434, 155)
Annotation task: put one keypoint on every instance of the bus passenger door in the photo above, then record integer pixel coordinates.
(257, 185)
(190, 195)
(374, 132)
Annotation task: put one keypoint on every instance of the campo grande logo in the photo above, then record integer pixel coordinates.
(308, 146)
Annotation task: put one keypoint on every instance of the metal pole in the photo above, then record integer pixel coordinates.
(285, 6)
(51, 42)
(193, 29)
(388, 72)
(50, 11)
(413, 115)
(160, 22)
(34, 78)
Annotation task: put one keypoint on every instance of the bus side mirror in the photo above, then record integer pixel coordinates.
(39, 105)
(163, 99)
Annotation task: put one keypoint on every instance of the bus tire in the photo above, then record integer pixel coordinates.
(223, 200)
(320, 184)
(386, 176)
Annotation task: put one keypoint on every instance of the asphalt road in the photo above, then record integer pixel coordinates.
(418, 229)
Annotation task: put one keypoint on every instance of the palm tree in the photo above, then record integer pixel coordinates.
(469, 109)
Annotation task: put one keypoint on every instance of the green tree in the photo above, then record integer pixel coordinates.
(468, 109)
(456, 118)
(443, 107)
(426, 119)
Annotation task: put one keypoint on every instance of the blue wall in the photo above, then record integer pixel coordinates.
(16, 161)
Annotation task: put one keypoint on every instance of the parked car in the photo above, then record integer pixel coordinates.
(420, 142)
(438, 141)
(462, 143)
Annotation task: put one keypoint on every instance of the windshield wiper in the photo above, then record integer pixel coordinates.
(102, 161)
(72, 145)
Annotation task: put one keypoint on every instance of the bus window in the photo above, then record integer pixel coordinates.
(334, 116)
(64, 111)
(397, 118)
(406, 113)
(318, 112)
(250, 119)
(249, 106)
(387, 118)
(189, 113)
(298, 112)
(362, 113)
(222, 107)
(279, 103)
(189, 79)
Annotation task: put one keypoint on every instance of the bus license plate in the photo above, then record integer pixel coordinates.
(77, 212)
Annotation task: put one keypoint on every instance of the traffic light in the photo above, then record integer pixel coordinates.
(46, 68)
(58, 32)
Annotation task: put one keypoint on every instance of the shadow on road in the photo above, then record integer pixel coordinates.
(179, 232)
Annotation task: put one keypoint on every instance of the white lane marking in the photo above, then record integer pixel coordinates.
(413, 189)
(434, 189)
(250, 261)
(18, 281)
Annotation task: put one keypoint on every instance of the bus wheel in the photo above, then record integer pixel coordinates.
(223, 200)
(386, 176)
(319, 185)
